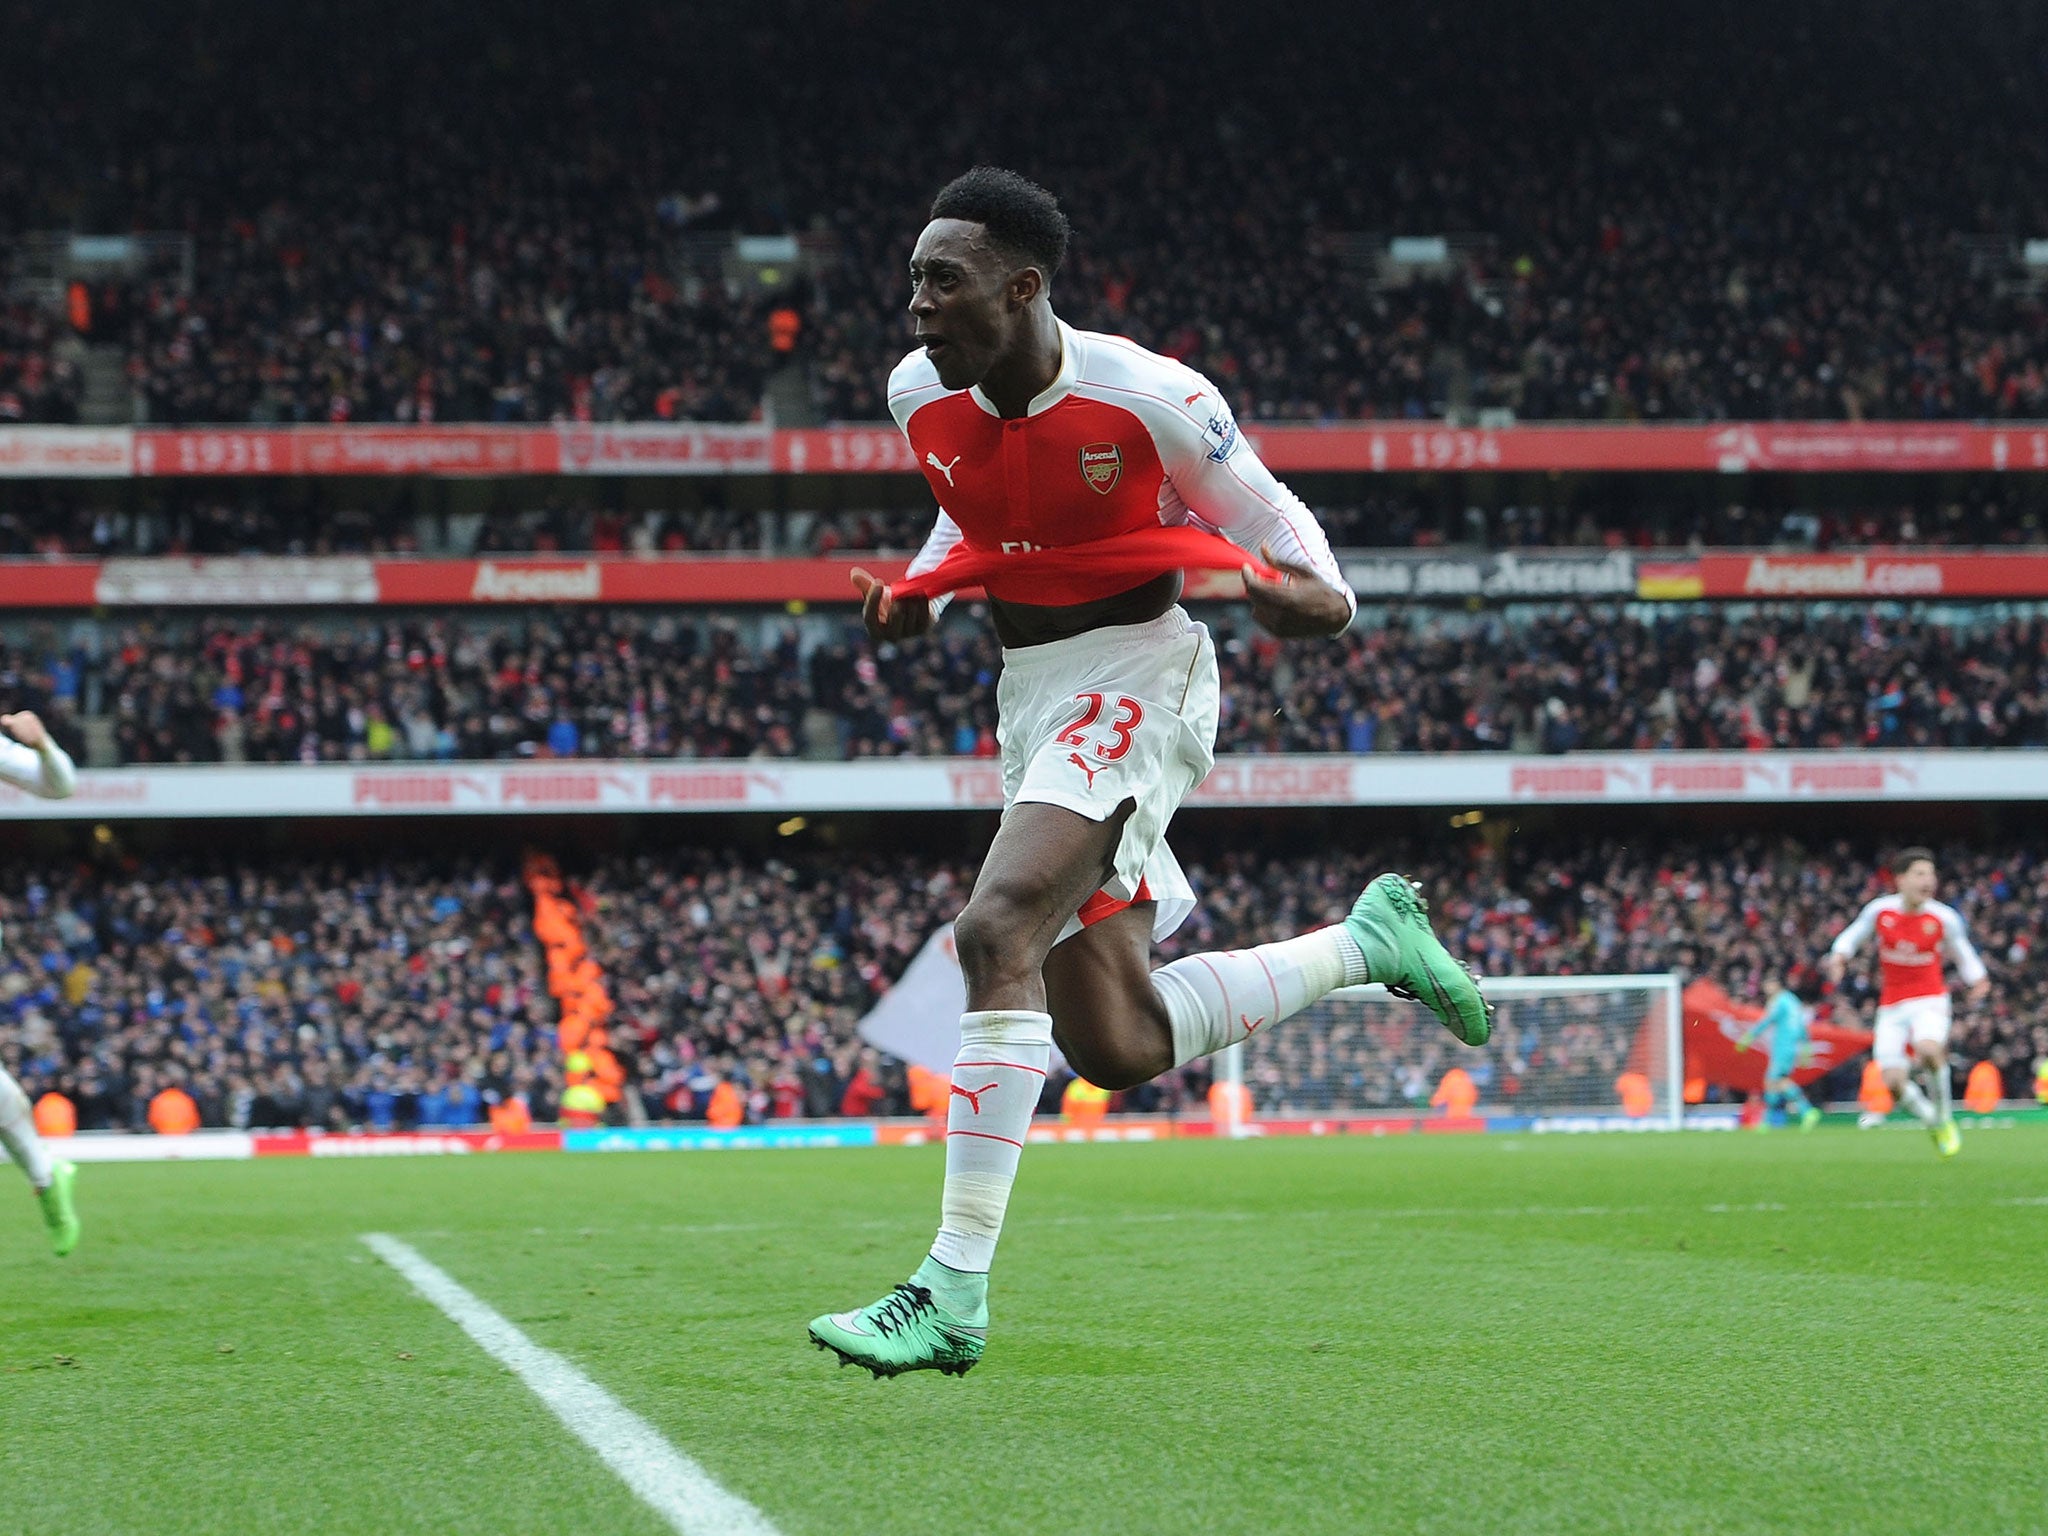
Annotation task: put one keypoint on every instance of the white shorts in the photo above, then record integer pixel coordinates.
(1116, 714)
(1917, 1018)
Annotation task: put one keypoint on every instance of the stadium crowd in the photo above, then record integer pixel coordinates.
(299, 992)
(53, 519)
(277, 993)
(615, 683)
(37, 384)
(444, 232)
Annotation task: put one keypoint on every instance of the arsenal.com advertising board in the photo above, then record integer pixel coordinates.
(1378, 576)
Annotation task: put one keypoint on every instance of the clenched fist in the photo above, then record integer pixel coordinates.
(26, 727)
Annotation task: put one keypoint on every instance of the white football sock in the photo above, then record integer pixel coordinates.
(18, 1133)
(997, 1078)
(1914, 1099)
(1217, 999)
(1939, 1092)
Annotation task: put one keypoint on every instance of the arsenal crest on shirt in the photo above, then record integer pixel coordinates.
(1101, 465)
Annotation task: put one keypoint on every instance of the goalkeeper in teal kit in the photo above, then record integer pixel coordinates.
(1786, 1023)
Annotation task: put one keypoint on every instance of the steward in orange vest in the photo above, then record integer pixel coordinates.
(172, 1113)
(55, 1116)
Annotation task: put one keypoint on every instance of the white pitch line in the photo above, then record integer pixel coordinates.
(666, 1480)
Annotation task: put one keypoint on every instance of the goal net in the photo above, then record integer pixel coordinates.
(1608, 1048)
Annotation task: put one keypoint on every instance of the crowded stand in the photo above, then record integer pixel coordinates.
(57, 520)
(284, 992)
(1736, 912)
(286, 518)
(37, 384)
(1604, 234)
(620, 683)
(304, 993)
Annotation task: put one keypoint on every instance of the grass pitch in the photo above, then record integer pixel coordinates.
(1462, 1334)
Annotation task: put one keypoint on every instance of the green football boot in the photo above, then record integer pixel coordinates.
(1948, 1141)
(905, 1331)
(1809, 1117)
(1391, 912)
(59, 1214)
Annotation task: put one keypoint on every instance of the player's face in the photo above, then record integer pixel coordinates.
(964, 301)
(1917, 883)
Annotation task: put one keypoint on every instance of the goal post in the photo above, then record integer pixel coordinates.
(1563, 1047)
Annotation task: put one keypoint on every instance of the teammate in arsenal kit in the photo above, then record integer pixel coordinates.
(1077, 476)
(1914, 934)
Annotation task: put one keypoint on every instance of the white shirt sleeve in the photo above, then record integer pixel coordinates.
(1857, 934)
(1955, 943)
(1225, 487)
(937, 545)
(47, 771)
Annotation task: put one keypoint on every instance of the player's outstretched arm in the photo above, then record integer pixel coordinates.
(1970, 967)
(1849, 941)
(886, 616)
(33, 760)
(1223, 485)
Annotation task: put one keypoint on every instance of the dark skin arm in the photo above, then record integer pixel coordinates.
(1300, 604)
(887, 617)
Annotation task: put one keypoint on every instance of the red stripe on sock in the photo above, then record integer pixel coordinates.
(984, 1135)
(1220, 987)
(1269, 981)
(1014, 1066)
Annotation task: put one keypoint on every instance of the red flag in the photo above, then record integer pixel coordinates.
(1714, 1022)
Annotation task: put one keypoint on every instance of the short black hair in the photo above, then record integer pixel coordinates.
(1906, 858)
(1020, 215)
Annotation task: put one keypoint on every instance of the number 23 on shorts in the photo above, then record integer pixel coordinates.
(1129, 715)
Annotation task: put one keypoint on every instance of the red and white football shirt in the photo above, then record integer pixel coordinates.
(1911, 946)
(1121, 442)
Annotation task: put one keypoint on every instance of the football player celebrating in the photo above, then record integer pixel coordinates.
(1078, 475)
(1915, 933)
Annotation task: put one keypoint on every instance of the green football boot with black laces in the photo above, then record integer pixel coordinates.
(1390, 921)
(905, 1331)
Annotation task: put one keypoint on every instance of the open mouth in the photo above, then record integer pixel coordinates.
(933, 345)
